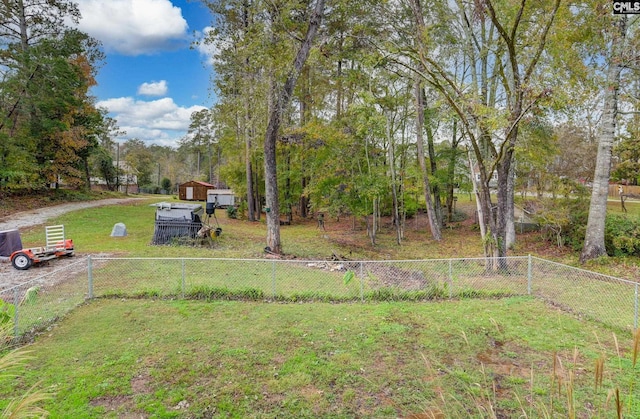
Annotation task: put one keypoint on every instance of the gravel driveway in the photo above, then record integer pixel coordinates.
(10, 276)
(41, 215)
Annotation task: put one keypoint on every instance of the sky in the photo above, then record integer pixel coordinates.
(152, 78)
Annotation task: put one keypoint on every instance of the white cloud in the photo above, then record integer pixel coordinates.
(156, 88)
(133, 27)
(158, 121)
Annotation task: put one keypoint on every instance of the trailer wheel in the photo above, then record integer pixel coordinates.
(21, 261)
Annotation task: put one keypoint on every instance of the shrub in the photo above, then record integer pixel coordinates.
(622, 235)
(232, 212)
(459, 216)
(565, 222)
(562, 221)
(166, 184)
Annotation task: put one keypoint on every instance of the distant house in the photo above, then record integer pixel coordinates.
(194, 190)
(493, 182)
(127, 180)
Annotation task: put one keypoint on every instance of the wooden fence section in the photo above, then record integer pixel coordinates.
(614, 190)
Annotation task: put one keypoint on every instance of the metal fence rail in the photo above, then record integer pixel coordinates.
(170, 231)
(37, 303)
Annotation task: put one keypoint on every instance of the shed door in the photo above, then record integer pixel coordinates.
(189, 193)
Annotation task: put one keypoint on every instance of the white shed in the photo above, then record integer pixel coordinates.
(223, 197)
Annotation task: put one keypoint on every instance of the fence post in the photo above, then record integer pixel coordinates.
(16, 305)
(635, 318)
(450, 279)
(361, 282)
(90, 276)
(183, 284)
(529, 275)
(273, 278)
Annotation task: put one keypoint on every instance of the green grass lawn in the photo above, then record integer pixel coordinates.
(632, 206)
(130, 357)
(91, 228)
(473, 358)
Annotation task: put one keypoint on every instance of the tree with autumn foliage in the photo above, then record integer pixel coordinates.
(49, 125)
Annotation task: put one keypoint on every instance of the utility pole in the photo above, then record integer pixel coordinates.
(117, 167)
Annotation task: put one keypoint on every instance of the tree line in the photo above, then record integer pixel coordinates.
(358, 108)
(398, 102)
(51, 130)
(49, 125)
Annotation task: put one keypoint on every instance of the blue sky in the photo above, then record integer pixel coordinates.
(152, 79)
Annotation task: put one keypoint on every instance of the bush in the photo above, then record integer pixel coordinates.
(562, 221)
(232, 212)
(459, 216)
(622, 235)
(577, 227)
(166, 184)
(567, 219)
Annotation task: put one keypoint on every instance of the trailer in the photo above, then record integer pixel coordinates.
(176, 222)
(56, 246)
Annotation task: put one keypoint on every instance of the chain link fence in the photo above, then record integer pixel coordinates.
(292, 280)
(37, 303)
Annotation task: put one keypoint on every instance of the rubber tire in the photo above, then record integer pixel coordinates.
(21, 261)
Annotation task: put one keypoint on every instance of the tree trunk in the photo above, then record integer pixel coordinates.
(433, 222)
(510, 229)
(287, 187)
(249, 170)
(280, 103)
(248, 131)
(87, 173)
(257, 198)
(451, 172)
(305, 110)
(250, 198)
(394, 192)
(435, 190)
(304, 201)
(479, 207)
(594, 237)
(499, 229)
(339, 87)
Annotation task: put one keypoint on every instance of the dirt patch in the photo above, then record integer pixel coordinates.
(123, 405)
(51, 272)
(141, 384)
(391, 276)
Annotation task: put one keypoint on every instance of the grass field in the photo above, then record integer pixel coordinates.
(513, 357)
(91, 228)
(346, 237)
(509, 357)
